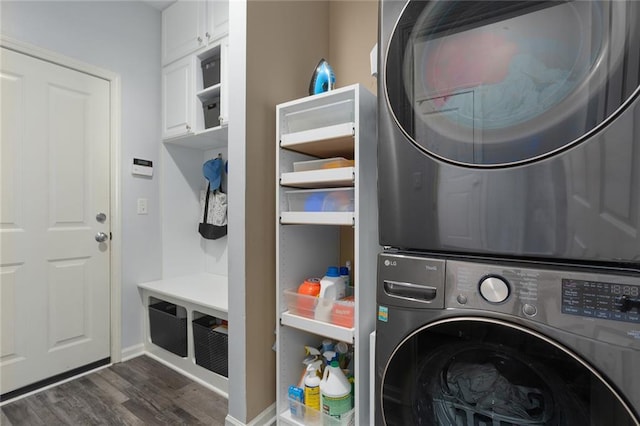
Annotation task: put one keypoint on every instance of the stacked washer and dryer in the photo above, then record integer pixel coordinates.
(509, 204)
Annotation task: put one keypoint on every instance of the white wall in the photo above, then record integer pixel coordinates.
(122, 37)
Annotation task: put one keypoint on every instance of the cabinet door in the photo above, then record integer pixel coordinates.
(177, 98)
(217, 19)
(183, 29)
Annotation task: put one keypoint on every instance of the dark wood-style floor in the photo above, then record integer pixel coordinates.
(140, 391)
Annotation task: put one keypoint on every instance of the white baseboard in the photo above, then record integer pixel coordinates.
(132, 352)
(266, 418)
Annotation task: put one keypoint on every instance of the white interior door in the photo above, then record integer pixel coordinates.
(54, 274)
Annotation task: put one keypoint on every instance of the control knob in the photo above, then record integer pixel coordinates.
(494, 289)
(626, 304)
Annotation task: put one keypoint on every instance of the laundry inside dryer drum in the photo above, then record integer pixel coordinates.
(479, 373)
(483, 384)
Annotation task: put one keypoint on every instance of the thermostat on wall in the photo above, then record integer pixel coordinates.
(142, 167)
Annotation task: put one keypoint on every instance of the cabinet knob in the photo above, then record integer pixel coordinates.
(199, 39)
(207, 35)
(188, 127)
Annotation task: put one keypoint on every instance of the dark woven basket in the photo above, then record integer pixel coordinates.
(166, 329)
(211, 347)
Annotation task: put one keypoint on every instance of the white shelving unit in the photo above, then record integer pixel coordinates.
(339, 123)
(195, 271)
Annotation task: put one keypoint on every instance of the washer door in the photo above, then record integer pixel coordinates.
(489, 83)
(474, 371)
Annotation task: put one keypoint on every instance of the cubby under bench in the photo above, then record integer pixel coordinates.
(173, 309)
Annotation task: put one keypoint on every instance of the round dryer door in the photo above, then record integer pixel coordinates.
(468, 371)
(494, 83)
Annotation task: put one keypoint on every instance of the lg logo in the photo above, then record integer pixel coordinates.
(388, 262)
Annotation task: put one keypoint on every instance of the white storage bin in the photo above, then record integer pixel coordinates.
(326, 163)
(321, 200)
(322, 114)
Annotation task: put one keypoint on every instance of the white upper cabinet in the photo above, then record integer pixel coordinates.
(177, 98)
(217, 19)
(195, 107)
(188, 26)
(183, 29)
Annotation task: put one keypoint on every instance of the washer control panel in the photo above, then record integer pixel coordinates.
(618, 302)
(592, 303)
(588, 302)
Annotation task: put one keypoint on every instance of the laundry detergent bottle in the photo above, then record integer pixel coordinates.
(332, 287)
(335, 391)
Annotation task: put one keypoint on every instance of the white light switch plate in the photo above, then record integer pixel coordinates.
(143, 206)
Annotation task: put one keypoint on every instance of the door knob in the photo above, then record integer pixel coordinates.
(101, 237)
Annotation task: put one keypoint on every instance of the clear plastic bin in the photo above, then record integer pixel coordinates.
(338, 312)
(326, 163)
(321, 200)
(302, 415)
(322, 114)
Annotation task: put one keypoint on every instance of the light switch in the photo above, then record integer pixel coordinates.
(143, 206)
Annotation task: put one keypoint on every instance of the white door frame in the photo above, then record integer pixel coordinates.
(114, 174)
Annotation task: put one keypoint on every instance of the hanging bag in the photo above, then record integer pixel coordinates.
(213, 222)
(214, 214)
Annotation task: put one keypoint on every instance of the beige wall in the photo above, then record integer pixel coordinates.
(285, 40)
(354, 32)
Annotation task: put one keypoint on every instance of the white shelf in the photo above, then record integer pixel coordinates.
(330, 141)
(320, 328)
(322, 178)
(317, 218)
(209, 93)
(215, 137)
(207, 290)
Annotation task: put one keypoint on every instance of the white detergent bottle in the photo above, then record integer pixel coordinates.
(335, 390)
(332, 287)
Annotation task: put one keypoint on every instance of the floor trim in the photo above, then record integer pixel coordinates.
(132, 352)
(267, 417)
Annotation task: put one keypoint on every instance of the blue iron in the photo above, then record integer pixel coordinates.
(323, 78)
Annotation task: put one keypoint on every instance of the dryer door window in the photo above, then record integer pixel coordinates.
(494, 83)
(480, 372)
